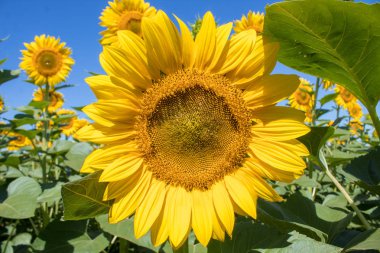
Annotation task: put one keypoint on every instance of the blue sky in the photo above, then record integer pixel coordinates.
(76, 23)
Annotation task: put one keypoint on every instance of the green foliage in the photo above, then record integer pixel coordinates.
(82, 199)
(7, 75)
(335, 40)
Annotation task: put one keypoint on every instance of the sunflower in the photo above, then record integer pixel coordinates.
(190, 130)
(344, 98)
(253, 21)
(1, 103)
(302, 98)
(46, 60)
(123, 15)
(18, 141)
(356, 127)
(327, 84)
(55, 98)
(73, 126)
(355, 111)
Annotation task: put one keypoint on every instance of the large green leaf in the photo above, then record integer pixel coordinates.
(21, 200)
(366, 170)
(69, 236)
(316, 139)
(124, 229)
(307, 217)
(82, 199)
(336, 40)
(77, 154)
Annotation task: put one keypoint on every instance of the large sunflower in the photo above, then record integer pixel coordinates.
(190, 128)
(46, 60)
(123, 15)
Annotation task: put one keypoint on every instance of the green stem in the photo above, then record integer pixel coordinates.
(45, 137)
(314, 113)
(10, 236)
(374, 117)
(123, 245)
(183, 249)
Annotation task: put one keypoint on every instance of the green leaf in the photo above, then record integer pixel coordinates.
(305, 216)
(365, 241)
(69, 236)
(28, 133)
(83, 198)
(367, 169)
(60, 147)
(316, 139)
(39, 104)
(21, 200)
(51, 195)
(328, 98)
(7, 75)
(124, 229)
(77, 154)
(12, 160)
(335, 40)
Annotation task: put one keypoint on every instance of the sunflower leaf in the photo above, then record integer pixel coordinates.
(366, 240)
(336, 40)
(7, 75)
(315, 139)
(83, 198)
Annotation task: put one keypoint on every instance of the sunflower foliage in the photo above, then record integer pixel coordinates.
(62, 178)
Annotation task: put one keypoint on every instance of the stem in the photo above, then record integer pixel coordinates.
(374, 117)
(45, 137)
(314, 114)
(10, 236)
(123, 245)
(183, 249)
(344, 192)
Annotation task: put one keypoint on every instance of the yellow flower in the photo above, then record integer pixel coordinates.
(355, 111)
(356, 127)
(1, 103)
(253, 21)
(65, 112)
(123, 15)
(327, 84)
(46, 60)
(344, 98)
(73, 126)
(18, 141)
(303, 99)
(375, 134)
(190, 130)
(40, 124)
(55, 98)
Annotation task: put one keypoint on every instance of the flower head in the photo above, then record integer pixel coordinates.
(1, 103)
(73, 125)
(356, 127)
(55, 98)
(18, 141)
(193, 131)
(254, 20)
(303, 99)
(327, 84)
(344, 98)
(123, 15)
(46, 60)
(355, 111)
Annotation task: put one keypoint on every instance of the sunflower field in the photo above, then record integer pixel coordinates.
(193, 143)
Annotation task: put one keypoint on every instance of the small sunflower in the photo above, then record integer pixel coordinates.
(327, 84)
(18, 141)
(73, 126)
(303, 99)
(253, 21)
(46, 60)
(123, 15)
(344, 98)
(1, 103)
(55, 98)
(189, 129)
(356, 127)
(355, 111)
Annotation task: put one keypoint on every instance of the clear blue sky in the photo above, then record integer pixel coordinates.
(76, 23)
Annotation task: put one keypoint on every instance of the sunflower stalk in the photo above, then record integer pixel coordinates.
(374, 117)
(350, 201)
(45, 137)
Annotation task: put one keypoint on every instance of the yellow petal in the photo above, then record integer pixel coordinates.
(218, 231)
(202, 216)
(277, 154)
(122, 167)
(103, 88)
(163, 44)
(222, 35)
(160, 228)
(188, 56)
(272, 113)
(116, 63)
(101, 158)
(179, 214)
(241, 46)
(270, 90)
(241, 195)
(150, 208)
(223, 206)
(280, 130)
(205, 42)
(106, 135)
(118, 189)
(262, 188)
(261, 62)
(125, 206)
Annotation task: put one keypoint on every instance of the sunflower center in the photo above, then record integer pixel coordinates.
(303, 98)
(48, 62)
(194, 129)
(131, 20)
(347, 96)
